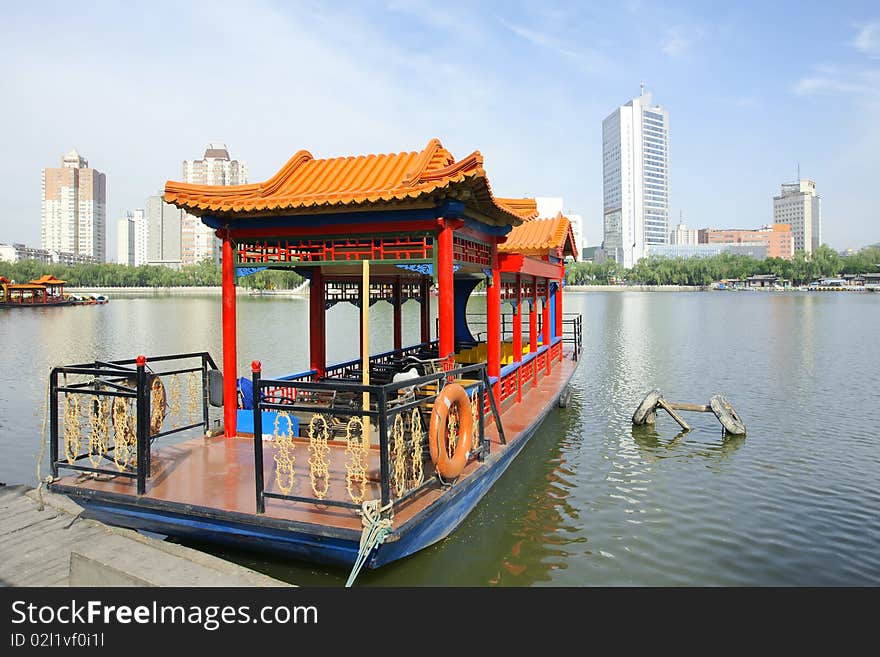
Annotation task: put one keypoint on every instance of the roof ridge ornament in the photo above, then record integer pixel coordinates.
(412, 177)
(275, 182)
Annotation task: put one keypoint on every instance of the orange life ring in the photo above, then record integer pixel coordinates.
(438, 435)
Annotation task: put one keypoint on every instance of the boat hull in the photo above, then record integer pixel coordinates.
(308, 542)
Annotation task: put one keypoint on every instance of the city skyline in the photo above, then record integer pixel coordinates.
(749, 102)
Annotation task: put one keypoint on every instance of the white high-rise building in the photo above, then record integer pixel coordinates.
(216, 168)
(141, 237)
(682, 235)
(800, 206)
(635, 173)
(125, 240)
(164, 232)
(133, 239)
(74, 209)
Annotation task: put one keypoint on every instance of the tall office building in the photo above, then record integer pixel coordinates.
(681, 235)
(215, 168)
(800, 206)
(74, 209)
(141, 237)
(132, 241)
(164, 232)
(125, 240)
(635, 179)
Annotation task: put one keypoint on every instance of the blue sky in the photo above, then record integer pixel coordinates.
(752, 89)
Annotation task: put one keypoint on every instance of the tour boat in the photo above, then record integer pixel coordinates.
(355, 463)
(39, 293)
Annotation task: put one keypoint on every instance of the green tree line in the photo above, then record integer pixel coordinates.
(205, 273)
(824, 263)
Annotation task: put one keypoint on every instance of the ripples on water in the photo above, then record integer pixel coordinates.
(592, 500)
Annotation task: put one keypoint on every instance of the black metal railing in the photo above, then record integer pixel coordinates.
(572, 332)
(340, 401)
(126, 401)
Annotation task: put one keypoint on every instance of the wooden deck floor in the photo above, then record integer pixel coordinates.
(217, 473)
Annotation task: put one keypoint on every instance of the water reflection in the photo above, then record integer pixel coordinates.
(655, 446)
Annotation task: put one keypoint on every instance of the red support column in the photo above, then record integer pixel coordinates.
(230, 373)
(559, 307)
(545, 322)
(533, 318)
(446, 291)
(493, 324)
(425, 286)
(317, 324)
(517, 337)
(398, 305)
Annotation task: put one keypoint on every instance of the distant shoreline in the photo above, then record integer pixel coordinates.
(633, 288)
(194, 290)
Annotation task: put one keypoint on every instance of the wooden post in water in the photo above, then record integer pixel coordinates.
(675, 416)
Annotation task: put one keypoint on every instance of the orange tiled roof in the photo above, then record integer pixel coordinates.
(527, 208)
(305, 185)
(540, 236)
(48, 279)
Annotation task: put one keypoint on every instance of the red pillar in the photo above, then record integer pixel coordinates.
(545, 321)
(446, 291)
(317, 324)
(425, 286)
(493, 324)
(559, 309)
(517, 337)
(230, 373)
(398, 304)
(533, 318)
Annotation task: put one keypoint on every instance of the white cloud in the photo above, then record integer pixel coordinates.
(867, 40)
(678, 40)
(863, 85)
(590, 60)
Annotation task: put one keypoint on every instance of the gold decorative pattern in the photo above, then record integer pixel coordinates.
(357, 441)
(124, 434)
(399, 455)
(452, 429)
(284, 457)
(193, 397)
(475, 415)
(319, 465)
(72, 429)
(99, 421)
(174, 411)
(418, 472)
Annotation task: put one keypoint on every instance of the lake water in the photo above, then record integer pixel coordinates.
(591, 500)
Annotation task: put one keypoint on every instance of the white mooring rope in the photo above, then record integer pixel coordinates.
(376, 530)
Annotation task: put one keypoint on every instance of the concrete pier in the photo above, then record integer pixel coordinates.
(58, 547)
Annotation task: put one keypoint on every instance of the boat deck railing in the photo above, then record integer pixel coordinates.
(347, 427)
(572, 329)
(108, 413)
